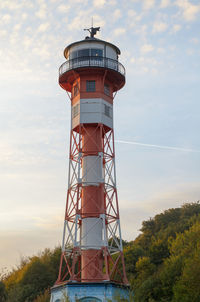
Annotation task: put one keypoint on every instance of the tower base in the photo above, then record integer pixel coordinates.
(90, 292)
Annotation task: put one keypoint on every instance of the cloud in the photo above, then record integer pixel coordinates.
(190, 52)
(147, 48)
(49, 222)
(141, 31)
(27, 41)
(148, 4)
(99, 20)
(77, 1)
(134, 212)
(13, 155)
(143, 64)
(189, 10)
(159, 27)
(179, 194)
(194, 41)
(42, 12)
(83, 17)
(99, 3)
(176, 28)
(117, 14)
(164, 3)
(3, 33)
(6, 19)
(131, 13)
(112, 2)
(28, 244)
(10, 5)
(24, 16)
(63, 8)
(157, 146)
(17, 27)
(119, 31)
(43, 27)
(102, 3)
(76, 22)
(160, 50)
(43, 52)
(32, 227)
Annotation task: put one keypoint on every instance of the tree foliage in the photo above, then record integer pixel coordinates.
(34, 275)
(3, 294)
(167, 265)
(162, 263)
(44, 297)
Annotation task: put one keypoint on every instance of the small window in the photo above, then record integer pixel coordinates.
(73, 55)
(83, 52)
(96, 52)
(75, 90)
(90, 86)
(107, 89)
(75, 111)
(107, 110)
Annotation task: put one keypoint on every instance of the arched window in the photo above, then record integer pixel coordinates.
(89, 299)
(58, 300)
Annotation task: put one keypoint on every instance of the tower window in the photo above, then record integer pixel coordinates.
(87, 52)
(90, 86)
(107, 110)
(106, 89)
(84, 52)
(75, 111)
(73, 55)
(75, 90)
(95, 52)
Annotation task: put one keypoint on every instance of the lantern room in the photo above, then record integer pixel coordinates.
(98, 55)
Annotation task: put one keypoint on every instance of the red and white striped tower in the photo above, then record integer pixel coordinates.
(92, 243)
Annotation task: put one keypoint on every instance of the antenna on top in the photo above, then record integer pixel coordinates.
(92, 30)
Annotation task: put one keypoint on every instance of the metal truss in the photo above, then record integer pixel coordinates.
(111, 248)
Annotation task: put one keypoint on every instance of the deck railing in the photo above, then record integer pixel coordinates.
(92, 61)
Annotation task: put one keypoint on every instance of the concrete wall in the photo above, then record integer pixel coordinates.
(101, 292)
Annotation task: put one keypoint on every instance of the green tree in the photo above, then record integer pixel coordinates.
(158, 251)
(169, 274)
(36, 278)
(3, 293)
(132, 253)
(44, 297)
(162, 262)
(166, 242)
(33, 276)
(187, 288)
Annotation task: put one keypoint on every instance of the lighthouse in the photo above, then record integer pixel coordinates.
(92, 264)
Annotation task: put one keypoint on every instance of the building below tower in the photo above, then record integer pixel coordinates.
(90, 292)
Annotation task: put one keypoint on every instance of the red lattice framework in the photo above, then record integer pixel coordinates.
(70, 264)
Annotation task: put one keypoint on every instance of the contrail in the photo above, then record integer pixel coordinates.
(156, 146)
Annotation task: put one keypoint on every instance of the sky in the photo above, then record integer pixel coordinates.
(156, 114)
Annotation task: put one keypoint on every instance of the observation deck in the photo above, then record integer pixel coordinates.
(72, 68)
(92, 61)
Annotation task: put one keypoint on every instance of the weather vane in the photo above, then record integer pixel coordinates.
(93, 31)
